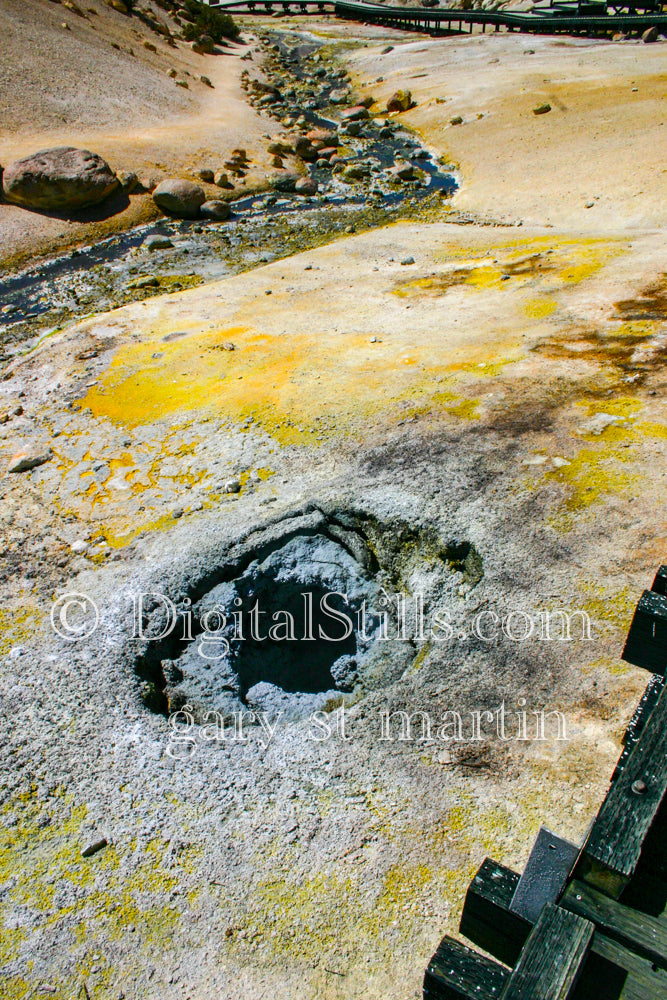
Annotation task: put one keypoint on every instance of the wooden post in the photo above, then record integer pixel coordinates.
(613, 849)
(553, 957)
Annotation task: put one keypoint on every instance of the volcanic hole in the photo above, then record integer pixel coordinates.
(305, 661)
(285, 636)
(304, 620)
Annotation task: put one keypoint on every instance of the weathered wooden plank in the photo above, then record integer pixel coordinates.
(652, 867)
(616, 973)
(552, 958)
(614, 846)
(641, 716)
(612, 971)
(546, 873)
(660, 582)
(640, 932)
(458, 973)
(487, 919)
(646, 644)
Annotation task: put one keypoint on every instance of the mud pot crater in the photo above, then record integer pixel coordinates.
(308, 614)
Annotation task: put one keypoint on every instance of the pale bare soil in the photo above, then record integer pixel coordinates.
(603, 142)
(508, 386)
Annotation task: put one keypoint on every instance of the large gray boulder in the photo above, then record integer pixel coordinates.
(180, 198)
(58, 179)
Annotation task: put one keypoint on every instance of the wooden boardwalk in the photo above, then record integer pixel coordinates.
(586, 17)
(589, 923)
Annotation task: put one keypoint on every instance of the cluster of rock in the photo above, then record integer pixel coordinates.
(237, 164)
(300, 86)
(317, 146)
(181, 82)
(187, 200)
(66, 179)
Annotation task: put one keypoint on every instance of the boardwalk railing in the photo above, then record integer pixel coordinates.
(590, 17)
(589, 923)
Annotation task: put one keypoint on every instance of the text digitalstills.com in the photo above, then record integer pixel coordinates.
(218, 633)
(327, 617)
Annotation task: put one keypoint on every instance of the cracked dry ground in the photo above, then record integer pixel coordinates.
(502, 398)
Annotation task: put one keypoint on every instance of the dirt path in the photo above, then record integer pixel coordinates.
(73, 87)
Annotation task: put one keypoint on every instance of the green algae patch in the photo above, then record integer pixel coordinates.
(560, 261)
(420, 658)
(540, 308)
(15, 987)
(594, 473)
(609, 463)
(614, 667)
(176, 282)
(623, 407)
(613, 607)
(465, 410)
(329, 912)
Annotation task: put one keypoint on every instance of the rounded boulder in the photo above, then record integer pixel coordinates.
(59, 179)
(306, 186)
(215, 209)
(180, 198)
(401, 100)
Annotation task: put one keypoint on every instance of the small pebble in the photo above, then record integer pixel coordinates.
(93, 848)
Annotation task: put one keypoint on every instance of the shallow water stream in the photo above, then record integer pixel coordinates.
(263, 226)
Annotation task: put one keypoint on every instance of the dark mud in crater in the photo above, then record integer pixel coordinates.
(317, 613)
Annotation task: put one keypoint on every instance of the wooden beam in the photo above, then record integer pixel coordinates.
(487, 919)
(646, 645)
(545, 875)
(636, 725)
(553, 957)
(615, 971)
(614, 846)
(640, 932)
(660, 582)
(611, 971)
(459, 973)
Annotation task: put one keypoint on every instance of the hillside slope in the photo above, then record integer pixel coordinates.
(96, 84)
